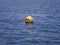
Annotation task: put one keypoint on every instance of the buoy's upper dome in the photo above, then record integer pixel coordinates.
(29, 19)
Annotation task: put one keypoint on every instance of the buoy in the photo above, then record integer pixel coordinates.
(29, 19)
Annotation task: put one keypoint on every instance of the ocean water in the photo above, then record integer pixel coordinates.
(44, 31)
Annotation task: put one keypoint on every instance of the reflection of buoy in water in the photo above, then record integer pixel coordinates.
(29, 19)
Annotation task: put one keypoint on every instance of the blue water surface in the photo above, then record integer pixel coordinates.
(44, 31)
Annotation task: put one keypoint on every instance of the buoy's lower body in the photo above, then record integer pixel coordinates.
(28, 21)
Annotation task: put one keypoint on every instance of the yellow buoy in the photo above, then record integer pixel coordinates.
(29, 19)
